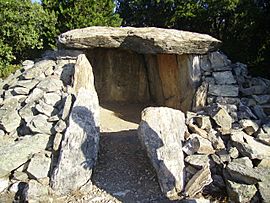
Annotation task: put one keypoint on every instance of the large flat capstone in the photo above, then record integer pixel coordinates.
(161, 131)
(142, 40)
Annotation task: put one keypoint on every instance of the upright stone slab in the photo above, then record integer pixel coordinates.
(161, 131)
(78, 152)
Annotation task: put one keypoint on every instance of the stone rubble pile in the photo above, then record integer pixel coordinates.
(35, 104)
(229, 134)
(226, 145)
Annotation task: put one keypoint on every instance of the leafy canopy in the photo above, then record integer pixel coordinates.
(72, 14)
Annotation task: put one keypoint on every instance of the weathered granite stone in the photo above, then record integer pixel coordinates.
(240, 192)
(161, 132)
(203, 122)
(248, 146)
(83, 76)
(2, 133)
(198, 182)
(263, 137)
(222, 78)
(27, 112)
(197, 130)
(39, 124)
(253, 90)
(38, 192)
(52, 98)
(142, 40)
(50, 84)
(28, 84)
(27, 64)
(241, 173)
(57, 141)
(201, 145)
(249, 126)
(200, 97)
(223, 90)
(67, 106)
(262, 99)
(20, 91)
(35, 95)
(37, 71)
(39, 166)
(219, 61)
(44, 108)
(223, 119)
(20, 176)
(79, 147)
(15, 154)
(234, 153)
(259, 112)
(197, 160)
(244, 161)
(9, 120)
(60, 126)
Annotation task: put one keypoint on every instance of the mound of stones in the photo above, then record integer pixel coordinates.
(222, 148)
(48, 116)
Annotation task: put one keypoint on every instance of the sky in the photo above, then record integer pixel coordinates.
(36, 1)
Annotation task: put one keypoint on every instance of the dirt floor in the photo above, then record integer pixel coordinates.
(123, 169)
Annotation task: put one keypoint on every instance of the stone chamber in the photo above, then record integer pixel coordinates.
(71, 129)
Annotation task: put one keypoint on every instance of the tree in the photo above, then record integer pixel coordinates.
(73, 14)
(25, 29)
(242, 25)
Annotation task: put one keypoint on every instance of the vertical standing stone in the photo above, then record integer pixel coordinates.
(161, 131)
(78, 152)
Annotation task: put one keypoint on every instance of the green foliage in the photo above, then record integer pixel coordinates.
(242, 25)
(73, 14)
(25, 29)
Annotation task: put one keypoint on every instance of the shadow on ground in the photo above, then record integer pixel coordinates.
(124, 170)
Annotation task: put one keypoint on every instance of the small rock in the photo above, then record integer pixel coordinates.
(200, 97)
(198, 182)
(223, 119)
(203, 122)
(67, 107)
(195, 129)
(244, 161)
(259, 112)
(249, 126)
(219, 61)
(39, 166)
(52, 99)
(60, 126)
(265, 163)
(223, 78)
(27, 112)
(50, 84)
(262, 99)
(263, 137)
(233, 152)
(20, 176)
(37, 71)
(27, 64)
(9, 120)
(39, 124)
(200, 145)
(198, 160)
(20, 91)
(57, 141)
(35, 95)
(243, 174)
(44, 108)
(38, 192)
(240, 192)
(223, 90)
